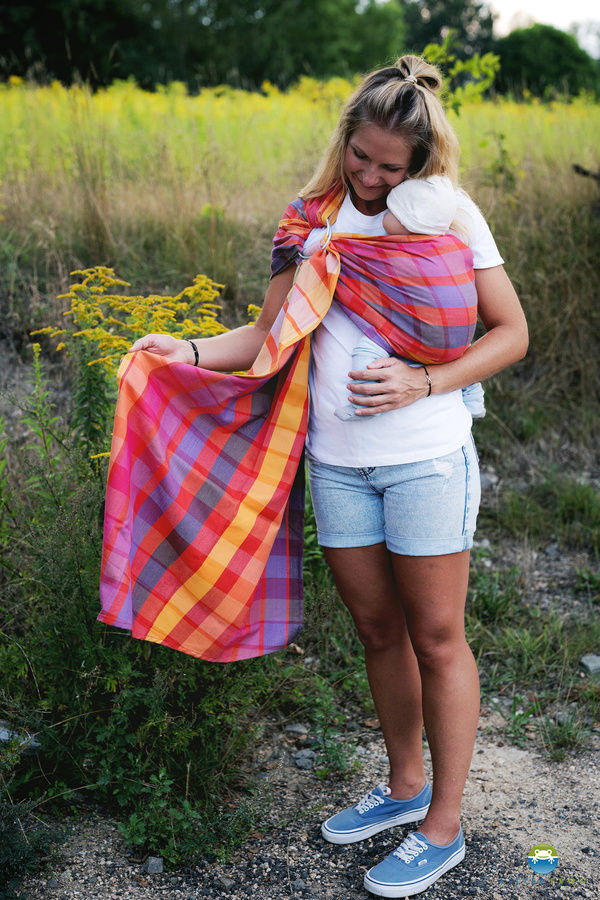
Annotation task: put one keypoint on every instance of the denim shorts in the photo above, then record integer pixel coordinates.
(426, 508)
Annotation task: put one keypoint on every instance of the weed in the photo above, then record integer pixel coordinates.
(562, 733)
(153, 733)
(493, 596)
(559, 508)
(517, 718)
(588, 583)
(502, 172)
(21, 845)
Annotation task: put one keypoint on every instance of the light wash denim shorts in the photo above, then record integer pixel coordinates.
(419, 509)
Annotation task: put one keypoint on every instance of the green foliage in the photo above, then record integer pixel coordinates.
(4, 490)
(244, 42)
(464, 79)
(517, 718)
(20, 847)
(153, 733)
(21, 844)
(493, 595)
(563, 733)
(546, 62)
(427, 23)
(531, 657)
(588, 583)
(502, 172)
(559, 508)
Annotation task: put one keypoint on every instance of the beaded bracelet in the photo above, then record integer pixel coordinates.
(196, 354)
(427, 376)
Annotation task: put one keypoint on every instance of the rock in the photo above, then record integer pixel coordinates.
(483, 544)
(590, 663)
(305, 759)
(223, 883)
(153, 865)
(552, 550)
(488, 480)
(297, 728)
(52, 884)
(299, 885)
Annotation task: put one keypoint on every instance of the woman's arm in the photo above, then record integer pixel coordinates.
(233, 351)
(504, 342)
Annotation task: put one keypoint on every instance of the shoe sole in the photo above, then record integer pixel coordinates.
(359, 834)
(413, 887)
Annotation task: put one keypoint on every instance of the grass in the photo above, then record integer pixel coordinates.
(558, 508)
(161, 186)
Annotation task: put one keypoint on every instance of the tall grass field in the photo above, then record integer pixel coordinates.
(164, 185)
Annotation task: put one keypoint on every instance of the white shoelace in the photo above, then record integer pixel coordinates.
(371, 800)
(410, 848)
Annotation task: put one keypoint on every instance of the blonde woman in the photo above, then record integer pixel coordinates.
(396, 502)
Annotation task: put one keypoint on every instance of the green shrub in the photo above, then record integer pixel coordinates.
(154, 733)
(20, 847)
(559, 508)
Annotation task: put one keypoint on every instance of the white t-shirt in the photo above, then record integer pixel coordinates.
(431, 427)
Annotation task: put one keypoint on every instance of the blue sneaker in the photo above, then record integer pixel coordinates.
(414, 866)
(375, 813)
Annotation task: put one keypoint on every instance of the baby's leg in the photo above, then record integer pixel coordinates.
(473, 398)
(365, 352)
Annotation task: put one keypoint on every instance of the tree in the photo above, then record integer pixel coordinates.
(241, 42)
(544, 60)
(63, 38)
(429, 21)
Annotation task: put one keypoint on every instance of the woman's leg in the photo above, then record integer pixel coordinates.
(365, 580)
(433, 592)
(423, 671)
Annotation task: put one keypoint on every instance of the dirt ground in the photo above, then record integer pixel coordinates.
(514, 799)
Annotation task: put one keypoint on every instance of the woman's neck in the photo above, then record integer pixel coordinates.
(367, 207)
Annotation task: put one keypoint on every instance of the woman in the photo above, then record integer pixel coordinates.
(396, 500)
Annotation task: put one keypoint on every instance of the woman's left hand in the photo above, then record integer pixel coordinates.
(392, 385)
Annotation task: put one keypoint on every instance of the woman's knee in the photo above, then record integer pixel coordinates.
(377, 635)
(437, 649)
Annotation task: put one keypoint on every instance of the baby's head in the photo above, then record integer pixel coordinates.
(421, 206)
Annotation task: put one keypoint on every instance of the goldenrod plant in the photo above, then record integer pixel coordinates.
(112, 322)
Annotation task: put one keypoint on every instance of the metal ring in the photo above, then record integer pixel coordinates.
(328, 235)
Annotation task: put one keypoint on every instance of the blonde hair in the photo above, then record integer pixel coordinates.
(403, 99)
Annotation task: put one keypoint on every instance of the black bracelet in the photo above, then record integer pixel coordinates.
(196, 354)
(427, 376)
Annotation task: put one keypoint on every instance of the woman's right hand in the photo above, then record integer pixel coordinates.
(172, 348)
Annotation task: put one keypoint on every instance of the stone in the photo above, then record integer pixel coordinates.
(153, 865)
(591, 664)
(296, 728)
(305, 759)
(223, 883)
(299, 885)
(488, 480)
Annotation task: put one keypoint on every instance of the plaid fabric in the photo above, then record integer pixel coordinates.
(204, 505)
(416, 292)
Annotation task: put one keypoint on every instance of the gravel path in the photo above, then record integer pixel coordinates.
(514, 799)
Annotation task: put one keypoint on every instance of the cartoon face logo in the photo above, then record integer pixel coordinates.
(542, 859)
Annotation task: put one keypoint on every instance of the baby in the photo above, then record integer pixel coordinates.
(416, 206)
